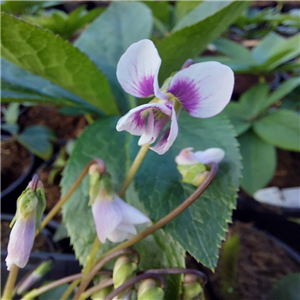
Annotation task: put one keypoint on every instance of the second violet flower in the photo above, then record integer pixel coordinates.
(202, 89)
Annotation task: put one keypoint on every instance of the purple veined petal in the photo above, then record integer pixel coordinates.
(137, 69)
(186, 157)
(203, 89)
(107, 216)
(168, 138)
(135, 120)
(147, 135)
(210, 155)
(20, 242)
(130, 214)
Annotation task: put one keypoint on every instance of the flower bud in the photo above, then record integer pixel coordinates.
(191, 289)
(194, 166)
(30, 207)
(42, 269)
(124, 270)
(149, 290)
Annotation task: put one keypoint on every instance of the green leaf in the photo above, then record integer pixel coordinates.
(284, 89)
(280, 128)
(20, 85)
(160, 10)
(56, 60)
(259, 162)
(36, 139)
(11, 114)
(201, 228)
(234, 50)
(10, 128)
(254, 99)
(109, 36)
(102, 140)
(192, 34)
(237, 115)
(182, 8)
(55, 293)
(286, 288)
(274, 50)
(158, 184)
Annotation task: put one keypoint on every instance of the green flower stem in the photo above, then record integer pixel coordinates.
(133, 169)
(99, 265)
(134, 280)
(103, 284)
(70, 289)
(10, 283)
(199, 191)
(91, 257)
(36, 292)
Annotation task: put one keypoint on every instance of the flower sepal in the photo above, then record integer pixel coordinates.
(193, 174)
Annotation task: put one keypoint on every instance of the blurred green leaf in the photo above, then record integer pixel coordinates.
(109, 36)
(259, 162)
(10, 128)
(48, 56)
(234, 50)
(280, 128)
(192, 34)
(286, 288)
(37, 139)
(12, 113)
(238, 117)
(182, 8)
(55, 293)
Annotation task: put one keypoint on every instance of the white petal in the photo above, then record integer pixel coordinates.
(147, 136)
(127, 228)
(118, 236)
(135, 120)
(168, 138)
(186, 157)
(210, 155)
(137, 69)
(107, 217)
(203, 89)
(20, 242)
(130, 214)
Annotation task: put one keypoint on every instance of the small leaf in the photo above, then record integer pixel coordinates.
(12, 113)
(280, 128)
(56, 60)
(36, 139)
(10, 128)
(259, 162)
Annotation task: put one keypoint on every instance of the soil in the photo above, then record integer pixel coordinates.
(15, 161)
(288, 170)
(40, 242)
(261, 263)
(66, 127)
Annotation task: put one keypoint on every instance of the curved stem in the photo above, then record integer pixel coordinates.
(133, 169)
(71, 190)
(179, 209)
(89, 118)
(70, 289)
(98, 266)
(177, 271)
(103, 284)
(10, 283)
(34, 293)
(134, 280)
